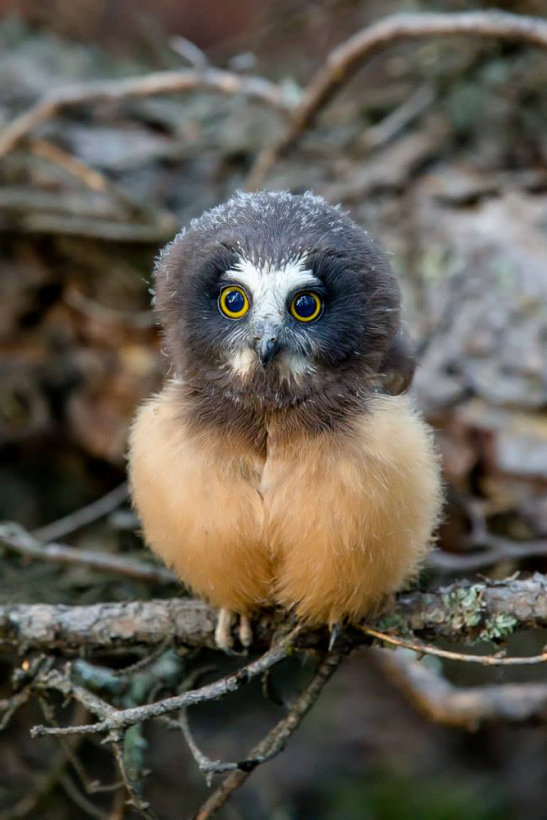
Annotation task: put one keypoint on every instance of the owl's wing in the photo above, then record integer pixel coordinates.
(398, 366)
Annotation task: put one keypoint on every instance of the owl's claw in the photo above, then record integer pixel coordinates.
(223, 632)
(245, 631)
(335, 632)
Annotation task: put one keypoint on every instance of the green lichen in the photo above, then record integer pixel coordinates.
(467, 606)
(498, 627)
(393, 623)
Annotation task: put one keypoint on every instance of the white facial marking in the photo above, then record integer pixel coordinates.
(242, 362)
(294, 365)
(269, 288)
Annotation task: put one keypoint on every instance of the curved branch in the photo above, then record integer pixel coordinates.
(350, 55)
(160, 82)
(468, 707)
(18, 540)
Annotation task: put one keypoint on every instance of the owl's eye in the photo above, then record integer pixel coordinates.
(306, 306)
(233, 302)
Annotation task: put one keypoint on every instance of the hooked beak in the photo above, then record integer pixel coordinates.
(267, 346)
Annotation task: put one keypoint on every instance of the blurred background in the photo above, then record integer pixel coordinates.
(439, 148)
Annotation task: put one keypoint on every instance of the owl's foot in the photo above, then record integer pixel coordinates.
(223, 631)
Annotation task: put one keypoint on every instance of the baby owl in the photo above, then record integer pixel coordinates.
(281, 464)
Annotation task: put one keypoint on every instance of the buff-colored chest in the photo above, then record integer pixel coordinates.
(325, 525)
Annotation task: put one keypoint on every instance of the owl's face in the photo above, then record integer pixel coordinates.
(271, 295)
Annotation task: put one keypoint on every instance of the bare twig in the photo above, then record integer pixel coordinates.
(79, 799)
(115, 720)
(26, 806)
(189, 51)
(133, 789)
(136, 319)
(426, 649)
(384, 131)
(276, 740)
(206, 765)
(350, 55)
(91, 178)
(466, 708)
(161, 82)
(17, 539)
(83, 516)
(158, 229)
(9, 706)
(495, 550)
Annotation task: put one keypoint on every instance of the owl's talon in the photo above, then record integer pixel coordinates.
(245, 631)
(223, 629)
(335, 632)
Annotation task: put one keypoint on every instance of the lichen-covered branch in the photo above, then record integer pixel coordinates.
(461, 611)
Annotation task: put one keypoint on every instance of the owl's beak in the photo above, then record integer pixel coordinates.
(267, 346)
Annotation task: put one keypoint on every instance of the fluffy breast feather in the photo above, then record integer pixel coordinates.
(326, 524)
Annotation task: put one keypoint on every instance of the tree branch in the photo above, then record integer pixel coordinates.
(113, 721)
(83, 516)
(18, 540)
(351, 55)
(276, 740)
(466, 708)
(160, 82)
(461, 611)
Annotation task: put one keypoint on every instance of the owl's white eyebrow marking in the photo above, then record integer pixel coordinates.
(271, 286)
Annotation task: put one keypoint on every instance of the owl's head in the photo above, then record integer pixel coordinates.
(274, 297)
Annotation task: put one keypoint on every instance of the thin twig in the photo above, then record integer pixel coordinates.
(9, 706)
(427, 649)
(276, 740)
(115, 720)
(206, 764)
(189, 51)
(136, 319)
(385, 130)
(497, 550)
(83, 516)
(92, 179)
(467, 707)
(161, 82)
(79, 799)
(18, 540)
(158, 229)
(351, 55)
(133, 789)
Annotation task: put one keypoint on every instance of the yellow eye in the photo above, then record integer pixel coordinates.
(233, 302)
(306, 306)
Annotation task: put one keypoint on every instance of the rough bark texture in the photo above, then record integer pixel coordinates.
(460, 611)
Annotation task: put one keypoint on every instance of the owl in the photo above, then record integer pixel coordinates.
(282, 463)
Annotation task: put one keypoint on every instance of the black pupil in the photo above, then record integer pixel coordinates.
(234, 301)
(305, 305)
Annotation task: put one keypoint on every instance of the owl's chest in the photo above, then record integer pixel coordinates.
(294, 482)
